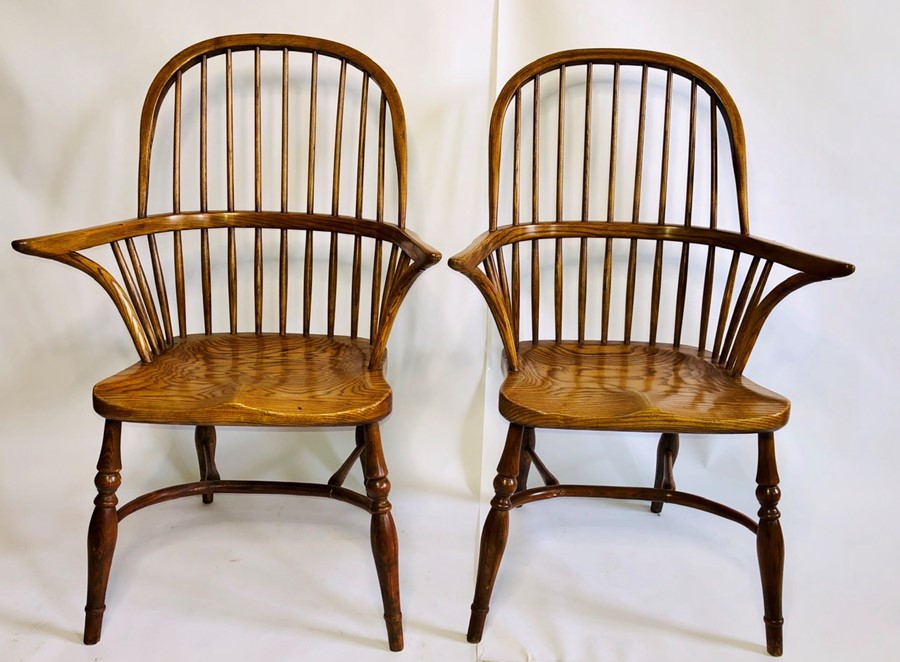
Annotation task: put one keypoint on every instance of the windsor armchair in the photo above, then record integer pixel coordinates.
(630, 296)
(259, 290)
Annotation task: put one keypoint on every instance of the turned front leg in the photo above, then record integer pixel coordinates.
(101, 541)
(383, 534)
(770, 543)
(495, 532)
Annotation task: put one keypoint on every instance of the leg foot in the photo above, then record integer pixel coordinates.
(496, 531)
(102, 531)
(383, 534)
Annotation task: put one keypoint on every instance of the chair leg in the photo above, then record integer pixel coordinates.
(383, 534)
(666, 454)
(770, 543)
(338, 477)
(496, 530)
(101, 540)
(205, 441)
(528, 443)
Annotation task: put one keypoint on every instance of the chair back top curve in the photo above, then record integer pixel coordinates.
(611, 118)
(612, 216)
(323, 97)
(263, 159)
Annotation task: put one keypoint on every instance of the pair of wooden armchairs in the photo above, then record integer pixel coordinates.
(613, 175)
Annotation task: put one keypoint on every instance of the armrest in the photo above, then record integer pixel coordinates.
(815, 265)
(423, 255)
(487, 242)
(479, 263)
(409, 257)
(53, 245)
(467, 262)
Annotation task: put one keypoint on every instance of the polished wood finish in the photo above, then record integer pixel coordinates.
(221, 284)
(647, 313)
(245, 379)
(103, 529)
(633, 387)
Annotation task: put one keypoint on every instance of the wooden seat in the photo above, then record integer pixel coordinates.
(245, 379)
(639, 387)
(262, 275)
(625, 286)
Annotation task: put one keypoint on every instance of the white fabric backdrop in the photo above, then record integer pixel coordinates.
(277, 578)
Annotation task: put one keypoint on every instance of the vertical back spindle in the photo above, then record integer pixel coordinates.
(232, 281)
(688, 212)
(560, 140)
(379, 201)
(535, 207)
(361, 151)
(376, 288)
(610, 207)
(176, 148)
(179, 283)
(206, 287)
(726, 304)
(204, 131)
(332, 281)
(661, 212)
(516, 193)
(257, 131)
(283, 282)
(258, 280)
(585, 202)
(310, 191)
(283, 241)
(636, 206)
(161, 294)
(229, 128)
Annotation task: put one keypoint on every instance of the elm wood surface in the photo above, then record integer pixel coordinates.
(626, 289)
(332, 240)
(633, 387)
(245, 379)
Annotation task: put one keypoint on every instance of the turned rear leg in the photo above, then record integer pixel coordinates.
(337, 479)
(666, 454)
(205, 441)
(770, 543)
(383, 533)
(101, 541)
(496, 531)
(528, 457)
(525, 455)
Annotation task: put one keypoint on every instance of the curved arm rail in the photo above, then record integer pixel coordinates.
(482, 262)
(410, 256)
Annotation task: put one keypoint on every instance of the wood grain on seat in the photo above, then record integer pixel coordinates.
(633, 387)
(245, 379)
